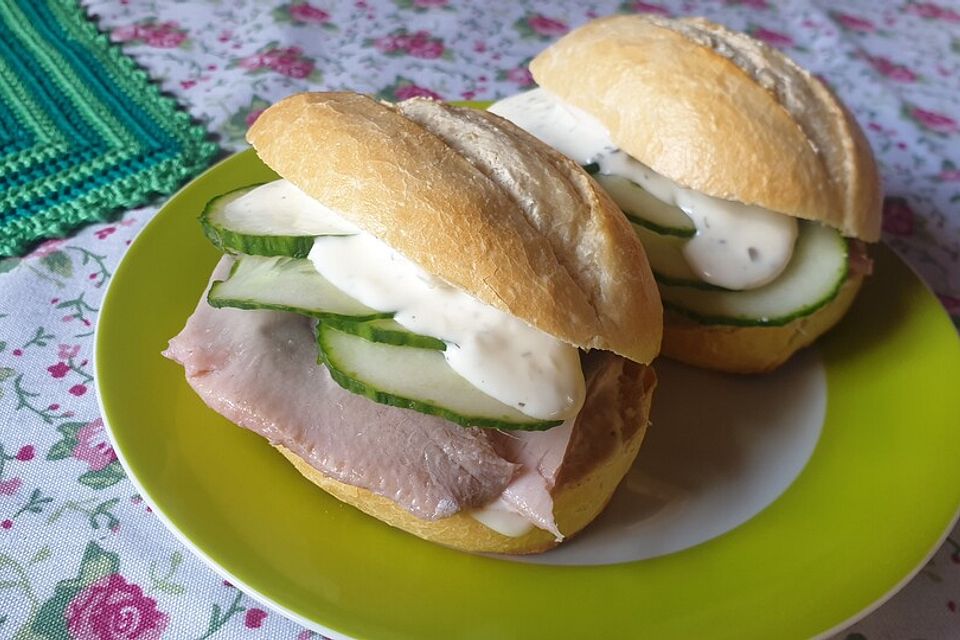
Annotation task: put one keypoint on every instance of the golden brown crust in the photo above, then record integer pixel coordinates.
(754, 128)
(400, 181)
(603, 446)
(751, 349)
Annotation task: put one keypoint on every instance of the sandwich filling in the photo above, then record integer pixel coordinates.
(426, 464)
(735, 246)
(497, 353)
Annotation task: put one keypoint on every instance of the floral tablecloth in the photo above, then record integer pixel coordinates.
(81, 556)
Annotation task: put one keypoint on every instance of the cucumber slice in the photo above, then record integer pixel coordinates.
(643, 209)
(812, 279)
(386, 331)
(665, 254)
(285, 284)
(273, 219)
(234, 233)
(418, 379)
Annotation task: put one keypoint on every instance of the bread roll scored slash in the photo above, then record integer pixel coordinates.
(721, 113)
(481, 204)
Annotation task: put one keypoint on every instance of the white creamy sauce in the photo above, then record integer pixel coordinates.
(503, 519)
(281, 200)
(499, 354)
(737, 246)
(571, 131)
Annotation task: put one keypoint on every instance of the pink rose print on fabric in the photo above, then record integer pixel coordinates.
(162, 35)
(853, 23)
(59, 370)
(67, 351)
(420, 44)
(125, 33)
(933, 121)
(404, 88)
(423, 46)
(521, 76)
(92, 446)
(536, 25)
(254, 618)
(252, 117)
(287, 61)
(897, 217)
(10, 486)
(413, 91)
(892, 70)
(547, 26)
(390, 44)
(114, 609)
(306, 12)
(645, 7)
(26, 453)
(933, 11)
(773, 38)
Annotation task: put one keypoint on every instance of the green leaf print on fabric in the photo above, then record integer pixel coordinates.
(218, 617)
(98, 515)
(59, 263)
(9, 264)
(163, 582)
(103, 478)
(64, 447)
(34, 504)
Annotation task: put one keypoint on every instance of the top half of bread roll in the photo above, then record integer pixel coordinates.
(477, 202)
(721, 113)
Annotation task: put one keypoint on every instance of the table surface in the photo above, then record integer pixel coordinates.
(63, 493)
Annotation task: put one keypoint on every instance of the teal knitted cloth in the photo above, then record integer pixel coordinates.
(83, 132)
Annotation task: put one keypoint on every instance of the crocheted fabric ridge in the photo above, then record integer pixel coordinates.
(84, 133)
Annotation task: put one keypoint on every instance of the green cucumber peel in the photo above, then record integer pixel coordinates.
(656, 228)
(218, 230)
(331, 356)
(385, 330)
(809, 255)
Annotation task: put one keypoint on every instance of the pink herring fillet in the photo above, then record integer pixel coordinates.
(258, 369)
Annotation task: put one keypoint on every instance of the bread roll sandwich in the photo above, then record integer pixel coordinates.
(748, 182)
(481, 312)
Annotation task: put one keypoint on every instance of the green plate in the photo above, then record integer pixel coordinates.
(880, 491)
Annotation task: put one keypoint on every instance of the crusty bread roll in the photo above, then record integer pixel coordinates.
(603, 445)
(721, 113)
(503, 217)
